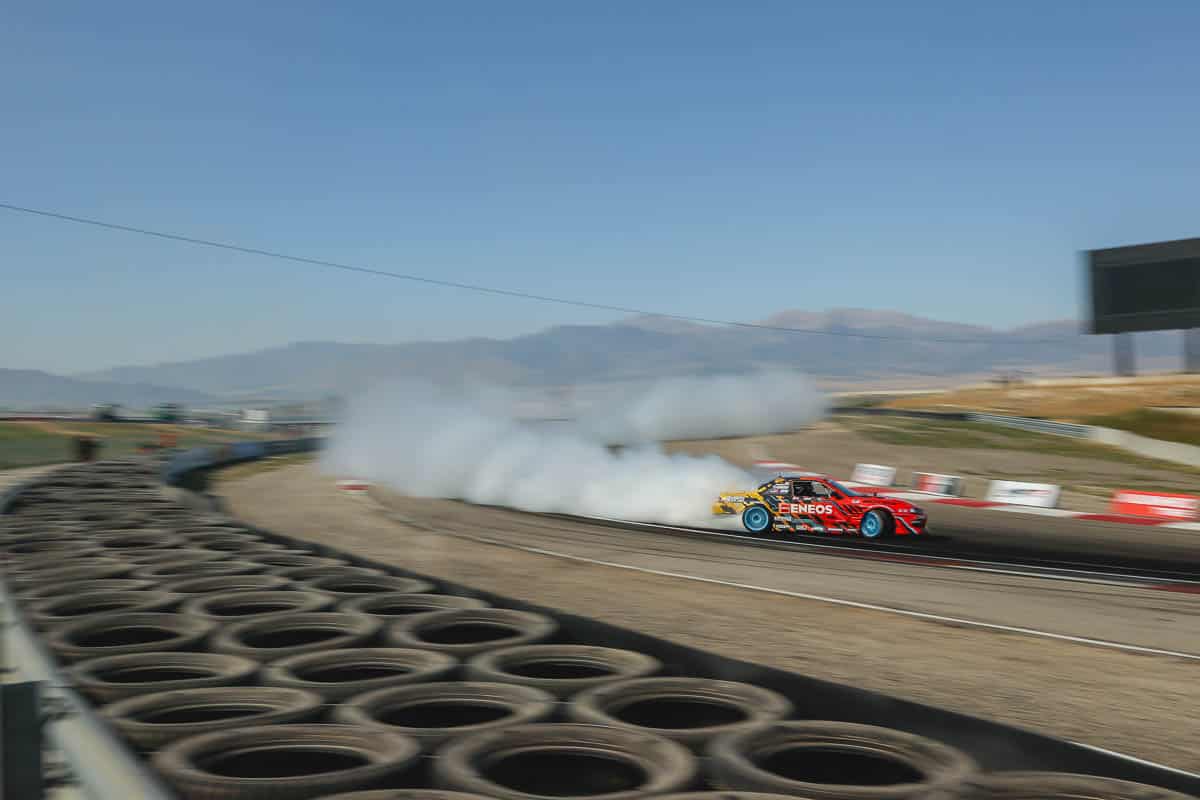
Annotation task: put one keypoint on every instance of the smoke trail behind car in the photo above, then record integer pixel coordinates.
(429, 441)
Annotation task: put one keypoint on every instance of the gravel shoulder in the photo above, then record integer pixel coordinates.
(1142, 705)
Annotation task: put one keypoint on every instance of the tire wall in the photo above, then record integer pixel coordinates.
(88, 741)
(993, 745)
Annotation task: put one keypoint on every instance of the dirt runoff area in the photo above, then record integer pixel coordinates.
(1089, 473)
(1143, 705)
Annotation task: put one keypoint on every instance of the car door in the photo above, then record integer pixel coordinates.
(833, 511)
(804, 509)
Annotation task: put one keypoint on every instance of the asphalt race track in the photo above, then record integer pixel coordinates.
(1097, 594)
(1021, 539)
(1025, 536)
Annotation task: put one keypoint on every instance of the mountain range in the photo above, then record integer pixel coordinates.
(840, 348)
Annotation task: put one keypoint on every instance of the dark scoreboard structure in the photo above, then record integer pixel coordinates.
(1146, 287)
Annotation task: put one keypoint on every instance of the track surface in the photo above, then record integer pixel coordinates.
(1105, 696)
(1114, 608)
(1016, 542)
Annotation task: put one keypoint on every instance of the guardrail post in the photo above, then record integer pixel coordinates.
(21, 741)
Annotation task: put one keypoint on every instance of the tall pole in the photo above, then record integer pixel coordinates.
(1123, 354)
(1191, 350)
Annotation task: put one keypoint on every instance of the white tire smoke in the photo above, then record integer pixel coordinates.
(431, 442)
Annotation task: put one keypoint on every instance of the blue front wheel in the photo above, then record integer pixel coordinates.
(756, 519)
(873, 525)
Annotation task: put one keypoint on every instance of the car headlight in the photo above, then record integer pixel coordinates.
(732, 498)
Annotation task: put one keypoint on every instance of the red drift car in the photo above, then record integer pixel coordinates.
(817, 504)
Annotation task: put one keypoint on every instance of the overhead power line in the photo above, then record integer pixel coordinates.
(492, 290)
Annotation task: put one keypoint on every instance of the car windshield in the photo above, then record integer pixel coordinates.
(843, 489)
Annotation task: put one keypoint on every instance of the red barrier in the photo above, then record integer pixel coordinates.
(1156, 504)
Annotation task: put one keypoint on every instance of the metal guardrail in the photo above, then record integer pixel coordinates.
(1023, 423)
(1033, 424)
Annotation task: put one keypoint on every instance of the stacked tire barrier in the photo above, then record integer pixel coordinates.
(218, 660)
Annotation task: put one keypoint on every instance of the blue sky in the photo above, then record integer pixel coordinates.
(946, 159)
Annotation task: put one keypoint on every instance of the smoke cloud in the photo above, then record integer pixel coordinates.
(428, 441)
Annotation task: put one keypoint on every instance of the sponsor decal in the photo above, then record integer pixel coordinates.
(1041, 495)
(805, 508)
(874, 474)
(1156, 504)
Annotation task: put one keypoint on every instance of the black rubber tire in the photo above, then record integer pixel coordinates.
(296, 559)
(152, 556)
(692, 711)
(403, 794)
(349, 587)
(118, 634)
(92, 572)
(235, 545)
(470, 631)
(46, 563)
(511, 763)
(154, 720)
(113, 678)
(308, 573)
(562, 670)
(75, 607)
(834, 758)
(206, 537)
(465, 708)
(240, 606)
(1062, 786)
(227, 583)
(171, 570)
(293, 634)
(340, 674)
(402, 605)
(33, 593)
(34, 537)
(727, 796)
(34, 548)
(279, 752)
(124, 541)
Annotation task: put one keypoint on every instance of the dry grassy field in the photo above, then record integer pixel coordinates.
(24, 444)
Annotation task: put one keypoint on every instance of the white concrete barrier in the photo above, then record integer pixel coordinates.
(874, 474)
(1019, 493)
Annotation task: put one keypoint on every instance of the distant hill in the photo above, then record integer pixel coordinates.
(879, 345)
(22, 389)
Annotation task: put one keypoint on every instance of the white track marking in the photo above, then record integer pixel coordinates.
(838, 601)
(1183, 526)
(805, 596)
(1141, 761)
(1041, 512)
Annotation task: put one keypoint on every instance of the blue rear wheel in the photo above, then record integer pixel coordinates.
(873, 525)
(756, 519)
